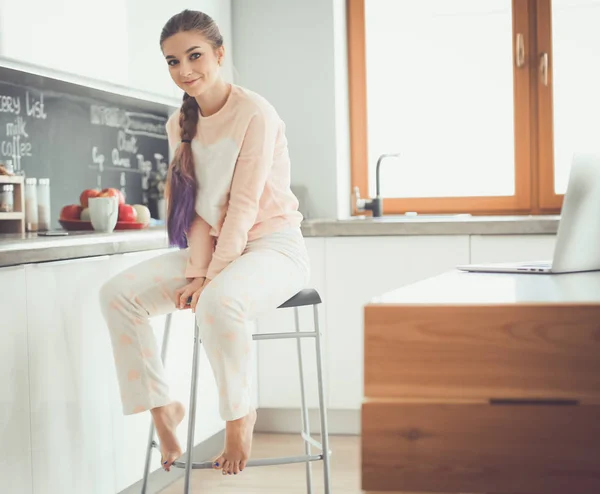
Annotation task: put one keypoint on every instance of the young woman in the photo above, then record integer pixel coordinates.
(236, 221)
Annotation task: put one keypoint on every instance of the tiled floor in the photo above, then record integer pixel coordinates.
(284, 479)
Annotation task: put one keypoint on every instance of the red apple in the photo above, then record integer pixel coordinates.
(71, 212)
(127, 213)
(86, 195)
(110, 192)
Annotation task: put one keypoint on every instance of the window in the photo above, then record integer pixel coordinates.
(486, 101)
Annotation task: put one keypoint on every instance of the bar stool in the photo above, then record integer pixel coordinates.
(303, 298)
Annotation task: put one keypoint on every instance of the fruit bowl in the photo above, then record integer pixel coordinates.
(80, 225)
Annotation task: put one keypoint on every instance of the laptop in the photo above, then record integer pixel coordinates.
(577, 245)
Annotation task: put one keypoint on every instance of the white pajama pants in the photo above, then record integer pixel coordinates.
(270, 271)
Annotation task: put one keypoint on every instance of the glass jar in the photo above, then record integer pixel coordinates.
(31, 206)
(43, 203)
(7, 198)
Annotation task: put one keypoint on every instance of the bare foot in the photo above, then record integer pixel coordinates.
(238, 443)
(166, 419)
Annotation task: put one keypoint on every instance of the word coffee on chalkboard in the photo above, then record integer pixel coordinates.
(79, 137)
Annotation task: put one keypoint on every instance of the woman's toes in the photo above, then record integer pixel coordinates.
(236, 468)
(242, 465)
(218, 463)
(225, 467)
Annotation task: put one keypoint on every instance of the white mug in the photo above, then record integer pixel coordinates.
(104, 212)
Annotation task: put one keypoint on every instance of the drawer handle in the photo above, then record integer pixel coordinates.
(533, 401)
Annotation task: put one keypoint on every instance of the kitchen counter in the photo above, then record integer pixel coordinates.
(431, 225)
(30, 248)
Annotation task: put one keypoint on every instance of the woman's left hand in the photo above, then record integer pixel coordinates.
(191, 291)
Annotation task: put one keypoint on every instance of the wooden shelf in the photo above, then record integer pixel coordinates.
(14, 222)
(12, 216)
(11, 179)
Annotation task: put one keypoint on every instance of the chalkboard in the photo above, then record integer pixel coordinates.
(80, 137)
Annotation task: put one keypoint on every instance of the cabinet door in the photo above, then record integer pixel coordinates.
(359, 268)
(510, 248)
(83, 38)
(70, 360)
(278, 381)
(15, 466)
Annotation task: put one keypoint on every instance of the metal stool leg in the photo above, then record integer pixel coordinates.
(322, 405)
(151, 443)
(192, 412)
(305, 423)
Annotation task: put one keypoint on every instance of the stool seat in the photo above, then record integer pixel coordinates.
(308, 296)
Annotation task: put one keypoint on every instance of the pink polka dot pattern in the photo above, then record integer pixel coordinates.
(133, 375)
(158, 279)
(125, 340)
(147, 353)
(230, 336)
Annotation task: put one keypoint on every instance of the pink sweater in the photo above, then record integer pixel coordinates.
(243, 172)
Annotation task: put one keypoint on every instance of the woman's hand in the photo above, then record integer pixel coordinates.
(191, 290)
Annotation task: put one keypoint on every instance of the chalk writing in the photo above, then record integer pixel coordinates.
(10, 104)
(125, 143)
(35, 108)
(118, 161)
(133, 123)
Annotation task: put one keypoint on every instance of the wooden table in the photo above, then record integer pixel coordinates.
(484, 383)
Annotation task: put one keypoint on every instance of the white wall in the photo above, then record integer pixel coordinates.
(115, 41)
(293, 53)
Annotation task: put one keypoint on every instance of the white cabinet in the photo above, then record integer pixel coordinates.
(359, 268)
(15, 466)
(509, 248)
(278, 381)
(84, 38)
(71, 384)
(115, 41)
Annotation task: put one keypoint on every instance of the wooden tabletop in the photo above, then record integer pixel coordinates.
(462, 288)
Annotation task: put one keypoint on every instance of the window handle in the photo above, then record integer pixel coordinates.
(520, 50)
(544, 69)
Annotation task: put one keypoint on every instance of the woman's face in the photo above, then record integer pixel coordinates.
(193, 63)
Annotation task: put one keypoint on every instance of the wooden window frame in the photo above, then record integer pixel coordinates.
(533, 129)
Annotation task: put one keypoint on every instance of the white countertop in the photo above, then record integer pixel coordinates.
(462, 288)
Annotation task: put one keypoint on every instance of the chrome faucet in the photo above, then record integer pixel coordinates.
(374, 205)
